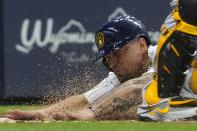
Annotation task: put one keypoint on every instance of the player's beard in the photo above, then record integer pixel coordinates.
(137, 69)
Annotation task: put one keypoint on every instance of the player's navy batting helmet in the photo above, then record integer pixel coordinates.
(116, 33)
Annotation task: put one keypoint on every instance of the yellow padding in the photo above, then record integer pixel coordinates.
(176, 103)
(152, 97)
(194, 63)
(183, 26)
(187, 28)
(164, 111)
(151, 94)
(193, 81)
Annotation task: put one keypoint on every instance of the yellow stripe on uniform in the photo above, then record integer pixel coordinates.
(164, 111)
(175, 50)
(176, 103)
(166, 69)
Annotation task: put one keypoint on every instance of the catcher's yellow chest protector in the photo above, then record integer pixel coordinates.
(176, 49)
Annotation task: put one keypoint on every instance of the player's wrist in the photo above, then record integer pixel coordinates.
(94, 111)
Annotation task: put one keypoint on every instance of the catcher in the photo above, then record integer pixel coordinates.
(123, 47)
(172, 95)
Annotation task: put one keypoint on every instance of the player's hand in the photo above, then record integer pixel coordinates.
(24, 115)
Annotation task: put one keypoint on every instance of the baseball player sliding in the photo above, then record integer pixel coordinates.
(123, 47)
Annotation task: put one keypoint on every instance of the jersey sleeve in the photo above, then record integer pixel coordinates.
(105, 86)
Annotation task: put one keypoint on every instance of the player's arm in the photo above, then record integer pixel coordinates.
(57, 111)
(127, 95)
(51, 112)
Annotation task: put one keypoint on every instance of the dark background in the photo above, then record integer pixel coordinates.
(41, 73)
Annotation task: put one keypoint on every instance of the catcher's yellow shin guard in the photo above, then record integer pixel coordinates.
(176, 50)
(193, 80)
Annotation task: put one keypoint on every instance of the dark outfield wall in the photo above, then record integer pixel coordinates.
(48, 45)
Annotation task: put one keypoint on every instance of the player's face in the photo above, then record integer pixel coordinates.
(130, 61)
